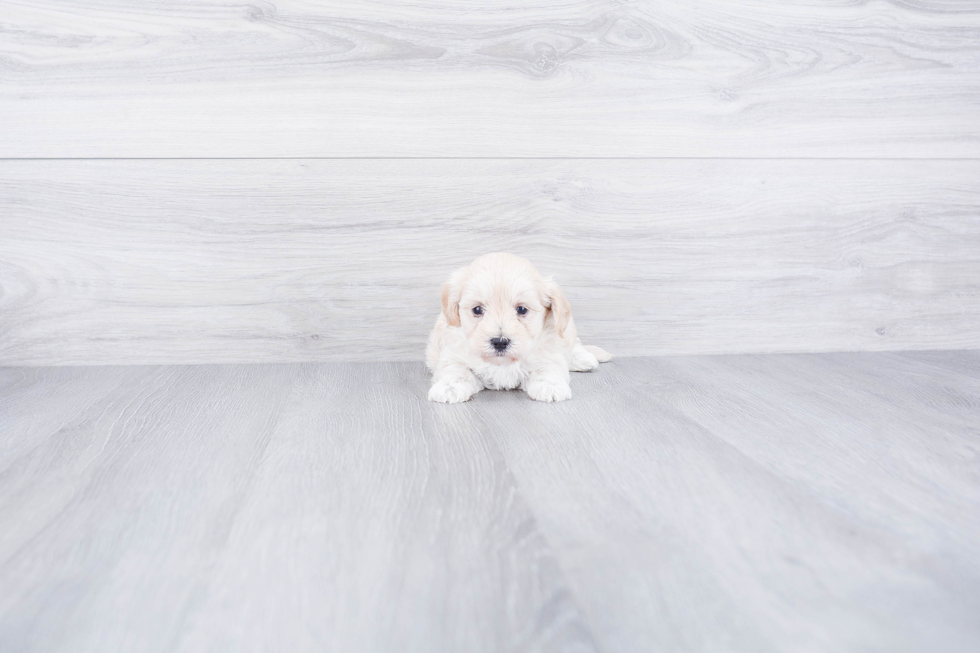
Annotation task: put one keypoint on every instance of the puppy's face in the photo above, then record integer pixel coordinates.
(503, 306)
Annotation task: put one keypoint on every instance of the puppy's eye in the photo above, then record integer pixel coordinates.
(477, 310)
(522, 310)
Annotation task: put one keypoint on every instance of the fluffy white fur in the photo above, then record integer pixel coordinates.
(542, 346)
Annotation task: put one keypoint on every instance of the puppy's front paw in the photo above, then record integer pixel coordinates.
(450, 393)
(548, 391)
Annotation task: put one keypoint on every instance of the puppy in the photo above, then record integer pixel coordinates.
(502, 327)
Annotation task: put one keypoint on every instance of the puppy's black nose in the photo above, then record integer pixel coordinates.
(499, 344)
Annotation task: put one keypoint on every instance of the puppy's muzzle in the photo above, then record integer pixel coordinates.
(500, 344)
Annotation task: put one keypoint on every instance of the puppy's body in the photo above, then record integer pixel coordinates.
(504, 327)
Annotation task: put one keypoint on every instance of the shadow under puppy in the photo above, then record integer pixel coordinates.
(504, 326)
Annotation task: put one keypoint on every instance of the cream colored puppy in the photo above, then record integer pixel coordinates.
(502, 327)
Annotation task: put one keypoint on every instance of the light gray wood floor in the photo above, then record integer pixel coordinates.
(822, 502)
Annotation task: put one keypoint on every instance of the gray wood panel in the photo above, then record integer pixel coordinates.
(121, 78)
(739, 503)
(266, 261)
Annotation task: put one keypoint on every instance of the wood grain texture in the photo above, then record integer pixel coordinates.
(739, 503)
(120, 78)
(760, 503)
(263, 508)
(267, 261)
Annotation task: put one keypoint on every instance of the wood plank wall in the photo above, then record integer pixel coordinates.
(227, 182)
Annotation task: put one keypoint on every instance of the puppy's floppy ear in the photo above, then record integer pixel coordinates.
(451, 293)
(560, 309)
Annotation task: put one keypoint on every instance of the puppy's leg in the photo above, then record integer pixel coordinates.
(549, 382)
(582, 360)
(453, 383)
(600, 354)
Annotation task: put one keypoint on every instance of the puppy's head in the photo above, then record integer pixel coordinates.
(503, 306)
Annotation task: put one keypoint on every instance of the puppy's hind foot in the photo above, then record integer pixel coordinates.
(600, 354)
(582, 360)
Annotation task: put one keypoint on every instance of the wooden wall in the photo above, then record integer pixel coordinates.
(215, 181)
